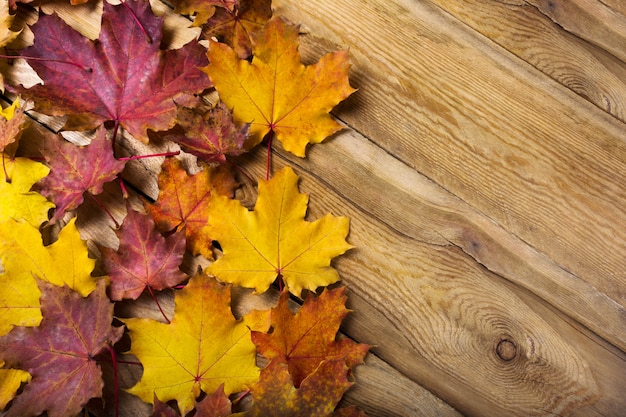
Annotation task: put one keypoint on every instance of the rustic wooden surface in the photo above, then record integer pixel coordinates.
(483, 165)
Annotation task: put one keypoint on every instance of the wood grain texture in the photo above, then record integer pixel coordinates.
(519, 147)
(596, 21)
(441, 314)
(578, 64)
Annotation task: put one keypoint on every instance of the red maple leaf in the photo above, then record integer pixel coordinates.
(124, 76)
(144, 258)
(305, 339)
(59, 354)
(75, 170)
(210, 136)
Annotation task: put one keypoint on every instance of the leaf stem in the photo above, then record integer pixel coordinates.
(158, 305)
(117, 225)
(33, 58)
(116, 385)
(240, 397)
(134, 157)
(132, 12)
(270, 136)
(4, 167)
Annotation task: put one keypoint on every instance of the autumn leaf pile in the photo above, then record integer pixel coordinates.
(203, 105)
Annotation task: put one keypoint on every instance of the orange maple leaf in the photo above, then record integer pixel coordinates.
(317, 396)
(276, 92)
(203, 347)
(305, 339)
(275, 240)
(184, 200)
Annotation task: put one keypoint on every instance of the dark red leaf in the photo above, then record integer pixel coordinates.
(59, 354)
(123, 77)
(75, 170)
(210, 136)
(144, 258)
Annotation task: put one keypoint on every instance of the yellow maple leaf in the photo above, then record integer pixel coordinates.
(23, 258)
(10, 381)
(275, 239)
(203, 347)
(18, 202)
(276, 92)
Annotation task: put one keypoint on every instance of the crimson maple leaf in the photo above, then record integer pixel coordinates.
(59, 354)
(75, 170)
(144, 258)
(210, 136)
(305, 339)
(123, 77)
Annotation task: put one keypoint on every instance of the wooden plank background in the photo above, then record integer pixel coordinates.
(483, 165)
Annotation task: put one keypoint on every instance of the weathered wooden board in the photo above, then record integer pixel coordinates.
(483, 166)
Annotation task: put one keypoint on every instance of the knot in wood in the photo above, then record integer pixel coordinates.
(506, 350)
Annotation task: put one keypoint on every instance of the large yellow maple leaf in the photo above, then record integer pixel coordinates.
(275, 240)
(276, 92)
(23, 258)
(203, 347)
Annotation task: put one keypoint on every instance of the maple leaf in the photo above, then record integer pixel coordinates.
(18, 202)
(305, 339)
(144, 258)
(210, 136)
(59, 354)
(122, 77)
(12, 124)
(203, 347)
(275, 92)
(317, 396)
(23, 257)
(10, 382)
(203, 9)
(234, 27)
(184, 200)
(213, 405)
(75, 170)
(274, 240)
